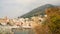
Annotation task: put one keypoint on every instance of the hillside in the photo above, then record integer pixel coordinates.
(37, 11)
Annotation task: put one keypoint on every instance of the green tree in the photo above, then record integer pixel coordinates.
(53, 19)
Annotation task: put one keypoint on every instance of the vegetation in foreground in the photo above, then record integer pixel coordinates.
(52, 24)
(53, 19)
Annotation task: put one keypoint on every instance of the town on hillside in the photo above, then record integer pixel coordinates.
(22, 22)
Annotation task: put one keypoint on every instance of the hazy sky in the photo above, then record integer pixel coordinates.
(15, 8)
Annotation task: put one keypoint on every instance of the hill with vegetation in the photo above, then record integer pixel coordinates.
(37, 11)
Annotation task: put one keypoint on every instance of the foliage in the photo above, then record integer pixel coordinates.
(54, 19)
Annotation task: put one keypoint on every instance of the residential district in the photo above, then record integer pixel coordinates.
(22, 22)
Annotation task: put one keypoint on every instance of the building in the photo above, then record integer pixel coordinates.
(4, 21)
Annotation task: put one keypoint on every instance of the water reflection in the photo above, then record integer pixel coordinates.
(22, 31)
(8, 30)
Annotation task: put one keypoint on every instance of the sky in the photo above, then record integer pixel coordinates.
(15, 8)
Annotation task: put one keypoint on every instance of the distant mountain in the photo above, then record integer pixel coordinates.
(38, 11)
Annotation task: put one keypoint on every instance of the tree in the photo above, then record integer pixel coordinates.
(53, 19)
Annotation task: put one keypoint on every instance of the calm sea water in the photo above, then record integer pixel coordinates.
(23, 31)
(15, 30)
